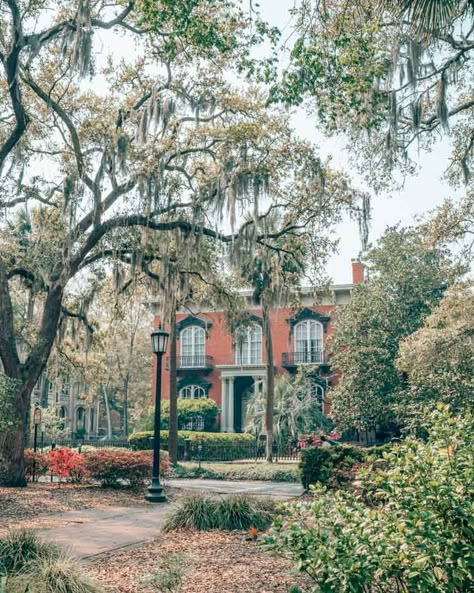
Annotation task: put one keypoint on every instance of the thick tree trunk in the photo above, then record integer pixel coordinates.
(173, 426)
(270, 376)
(13, 441)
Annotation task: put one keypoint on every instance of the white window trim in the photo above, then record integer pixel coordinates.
(195, 355)
(244, 352)
(308, 355)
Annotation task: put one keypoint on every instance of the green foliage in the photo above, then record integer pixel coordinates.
(141, 440)
(416, 533)
(379, 71)
(30, 564)
(407, 279)
(211, 28)
(438, 359)
(319, 464)
(189, 410)
(296, 410)
(20, 546)
(226, 513)
(235, 471)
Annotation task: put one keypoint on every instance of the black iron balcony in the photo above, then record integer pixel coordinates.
(293, 359)
(198, 362)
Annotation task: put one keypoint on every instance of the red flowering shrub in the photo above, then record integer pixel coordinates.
(115, 467)
(39, 460)
(66, 464)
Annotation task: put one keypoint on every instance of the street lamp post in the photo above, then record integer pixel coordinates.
(159, 342)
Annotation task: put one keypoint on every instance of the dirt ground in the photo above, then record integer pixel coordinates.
(211, 562)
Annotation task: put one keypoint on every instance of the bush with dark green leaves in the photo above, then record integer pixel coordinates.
(416, 535)
(214, 445)
(238, 471)
(235, 512)
(322, 464)
(190, 410)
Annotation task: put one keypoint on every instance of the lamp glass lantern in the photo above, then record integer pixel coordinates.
(159, 340)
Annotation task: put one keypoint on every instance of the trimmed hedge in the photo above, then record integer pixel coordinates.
(189, 410)
(113, 468)
(333, 466)
(215, 445)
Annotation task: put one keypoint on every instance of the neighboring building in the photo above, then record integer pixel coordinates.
(209, 366)
(80, 419)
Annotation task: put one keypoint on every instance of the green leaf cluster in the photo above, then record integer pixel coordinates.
(414, 533)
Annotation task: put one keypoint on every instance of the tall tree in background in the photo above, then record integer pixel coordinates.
(103, 172)
(407, 280)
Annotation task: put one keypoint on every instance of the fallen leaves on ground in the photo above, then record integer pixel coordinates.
(30, 506)
(216, 562)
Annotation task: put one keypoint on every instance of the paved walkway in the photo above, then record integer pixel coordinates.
(95, 531)
(279, 489)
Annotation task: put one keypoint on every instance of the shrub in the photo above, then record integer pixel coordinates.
(38, 461)
(418, 538)
(226, 514)
(114, 467)
(235, 471)
(190, 410)
(214, 444)
(52, 573)
(330, 465)
(66, 464)
(20, 546)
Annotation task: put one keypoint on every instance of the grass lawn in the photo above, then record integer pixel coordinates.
(277, 472)
(211, 562)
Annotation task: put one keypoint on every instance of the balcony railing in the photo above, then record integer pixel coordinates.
(293, 359)
(189, 362)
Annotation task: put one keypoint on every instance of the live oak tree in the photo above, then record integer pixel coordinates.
(407, 279)
(393, 76)
(167, 146)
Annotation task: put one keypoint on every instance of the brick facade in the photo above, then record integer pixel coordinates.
(209, 366)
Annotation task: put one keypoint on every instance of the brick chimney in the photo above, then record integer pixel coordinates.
(357, 272)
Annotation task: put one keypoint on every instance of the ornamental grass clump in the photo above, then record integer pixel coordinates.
(408, 526)
(229, 513)
(28, 564)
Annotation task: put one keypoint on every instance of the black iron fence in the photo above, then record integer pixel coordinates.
(73, 443)
(194, 451)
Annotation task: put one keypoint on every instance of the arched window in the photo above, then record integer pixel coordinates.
(249, 349)
(63, 412)
(80, 419)
(308, 342)
(192, 392)
(91, 419)
(193, 347)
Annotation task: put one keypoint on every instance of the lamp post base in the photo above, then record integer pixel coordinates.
(155, 492)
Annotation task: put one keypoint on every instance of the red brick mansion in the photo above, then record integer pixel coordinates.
(209, 366)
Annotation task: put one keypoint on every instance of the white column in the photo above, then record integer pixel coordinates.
(230, 425)
(225, 404)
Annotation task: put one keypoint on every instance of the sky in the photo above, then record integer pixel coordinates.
(421, 193)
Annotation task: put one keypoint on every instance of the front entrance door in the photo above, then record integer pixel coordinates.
(243, 389)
